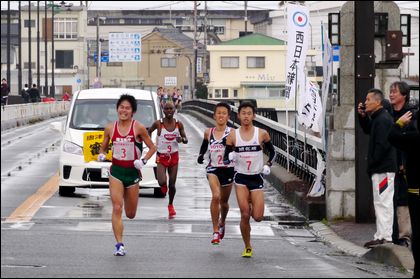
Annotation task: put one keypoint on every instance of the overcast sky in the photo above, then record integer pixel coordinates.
(187, 5)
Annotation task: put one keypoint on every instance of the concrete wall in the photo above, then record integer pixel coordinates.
(18, 115)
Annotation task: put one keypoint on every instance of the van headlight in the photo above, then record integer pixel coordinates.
(72, 148)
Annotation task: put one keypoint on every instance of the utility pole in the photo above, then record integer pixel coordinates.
(205, 37)
(246, 18)
(20, 47)
(30, 46)
(8, 44)
(52, 52)
(195, 47)
(38, 60)
(97, 47)
(46, 48)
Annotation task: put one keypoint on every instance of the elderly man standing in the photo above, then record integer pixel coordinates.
(377, 122)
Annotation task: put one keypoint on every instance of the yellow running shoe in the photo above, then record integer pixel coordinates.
(247, 253)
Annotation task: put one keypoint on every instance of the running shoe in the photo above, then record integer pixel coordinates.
(164, 189)
(222, 231)
(171, 210)
(247, 253)
(119, 250)
(216, 239)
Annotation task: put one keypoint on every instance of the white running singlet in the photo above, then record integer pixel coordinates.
(249, 154)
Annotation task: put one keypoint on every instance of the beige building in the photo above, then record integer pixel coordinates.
(166, 60)
(251, 67)
(69, 48)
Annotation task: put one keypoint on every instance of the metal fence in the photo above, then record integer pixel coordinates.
(296, 150)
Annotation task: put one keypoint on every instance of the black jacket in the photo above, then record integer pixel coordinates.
(381, 154)
(408, 141)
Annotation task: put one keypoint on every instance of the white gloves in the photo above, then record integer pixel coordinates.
(266, 170)
(101, 157)
(139, 164)
(232, 156)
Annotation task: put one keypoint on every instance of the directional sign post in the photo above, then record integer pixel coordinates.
(124, 47)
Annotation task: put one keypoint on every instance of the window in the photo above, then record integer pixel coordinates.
(230, 62)
(266, 92)
(235, 93)
(256, 62)
(225, 93)
(65, 28)
(217, 93)
(168, 62)
(26, 65)
(406, 29)
(218, 25)
(26, 23)
(64, 59)
(131, 21)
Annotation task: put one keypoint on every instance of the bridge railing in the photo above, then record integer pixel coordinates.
(22, 114)
(296, 150)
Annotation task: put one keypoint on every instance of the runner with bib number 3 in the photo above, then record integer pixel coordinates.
(127, 136)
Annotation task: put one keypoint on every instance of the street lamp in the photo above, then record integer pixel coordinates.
(98, 46)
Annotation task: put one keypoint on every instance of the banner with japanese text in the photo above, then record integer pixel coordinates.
(310, 107)
(297, 47)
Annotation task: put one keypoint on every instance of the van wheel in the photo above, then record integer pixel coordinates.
(66, 191)
(157, 193)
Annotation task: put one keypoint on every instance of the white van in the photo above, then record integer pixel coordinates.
(90, 111)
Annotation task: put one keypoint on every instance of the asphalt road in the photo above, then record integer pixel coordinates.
(72, 236)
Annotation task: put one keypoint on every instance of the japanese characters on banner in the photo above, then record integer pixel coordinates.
(124, 47)
(297, 47)
(310, 107)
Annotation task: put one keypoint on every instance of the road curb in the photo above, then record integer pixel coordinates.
(330, 237)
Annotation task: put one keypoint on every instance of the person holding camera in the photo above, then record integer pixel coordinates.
(382, 165)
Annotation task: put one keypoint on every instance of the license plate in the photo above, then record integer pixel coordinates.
(105, 172)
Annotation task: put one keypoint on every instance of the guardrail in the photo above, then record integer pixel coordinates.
(22, 114)
(298, 155)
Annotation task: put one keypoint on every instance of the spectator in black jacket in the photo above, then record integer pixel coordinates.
(34, 94)
(409, 141)
(399, 95)
(377, 122)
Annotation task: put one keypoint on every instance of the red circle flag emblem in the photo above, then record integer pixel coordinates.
(300, 19)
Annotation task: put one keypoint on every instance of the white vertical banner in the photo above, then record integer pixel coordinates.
(297, 47)
(310, 107)
(318, 187)
(327, 58)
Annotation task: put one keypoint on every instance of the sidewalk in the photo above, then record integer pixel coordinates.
(350, 237)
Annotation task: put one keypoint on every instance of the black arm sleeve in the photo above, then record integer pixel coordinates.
(228, 149)
(204, 146)
(271, 152)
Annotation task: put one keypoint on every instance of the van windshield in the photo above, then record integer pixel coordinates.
(96, 114)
